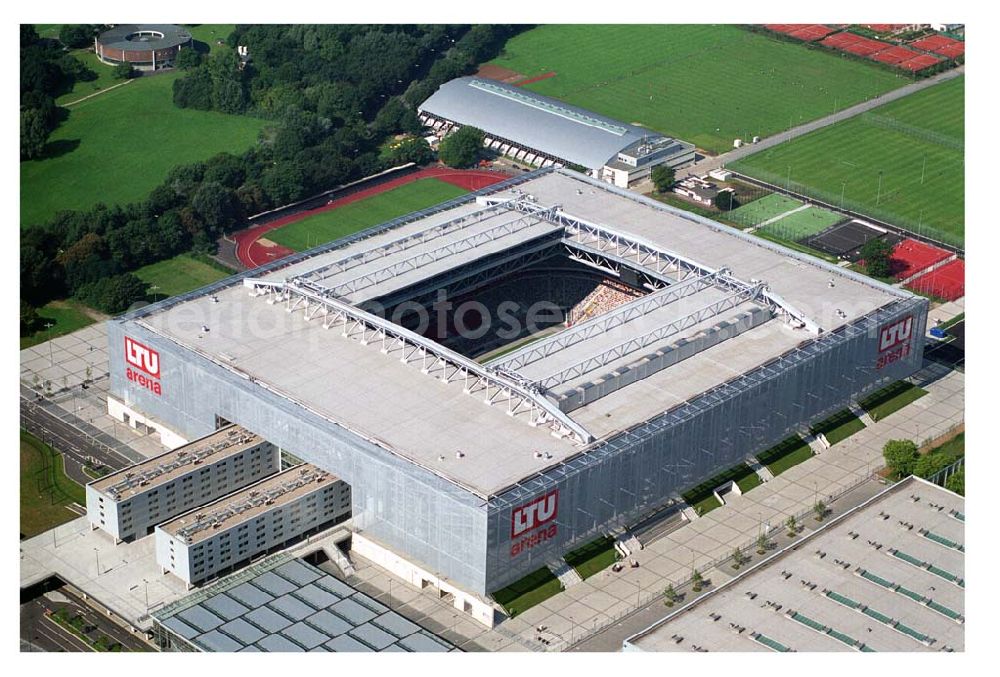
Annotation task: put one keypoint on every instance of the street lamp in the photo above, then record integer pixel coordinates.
(48, 327)
(97, 554)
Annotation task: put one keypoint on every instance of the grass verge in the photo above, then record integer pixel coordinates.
(593, 557)
(181, 274)
(66, 317)
(45, 490)
(838, 427)
(891, 399)
(784, 455)
(525, 593)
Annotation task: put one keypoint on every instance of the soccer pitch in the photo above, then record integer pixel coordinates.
(707, 84)
(337, 223)
(116, 147)
(903, 162)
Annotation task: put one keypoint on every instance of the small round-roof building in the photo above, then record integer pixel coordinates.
(145, 46)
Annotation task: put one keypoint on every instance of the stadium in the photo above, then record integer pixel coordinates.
(145, 46)
(517, 371)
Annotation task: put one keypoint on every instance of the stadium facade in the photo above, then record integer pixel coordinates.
(468, 475)
(545, 132)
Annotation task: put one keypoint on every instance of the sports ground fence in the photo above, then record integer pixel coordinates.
(879, 217)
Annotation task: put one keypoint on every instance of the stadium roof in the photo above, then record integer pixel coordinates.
(888, 576)
(423, 410)
(539, 122)
(286, 604)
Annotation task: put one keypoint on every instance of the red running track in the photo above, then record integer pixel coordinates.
(252, 253)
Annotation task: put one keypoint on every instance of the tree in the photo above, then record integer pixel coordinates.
(820, 509)
(461, 148)
(30, 319)
(725, 201)
(737, 558)
(187, 59)
(901, 456)
(662, 177)
(76, 36)
(669, 595)
(34, 133)
(791, 525)
(123, 71)
(931, 464)
(762, 543)
(877, 257)
(412, 149)
(956, 482)
(113, 294)
(696, 580)
(216, 204)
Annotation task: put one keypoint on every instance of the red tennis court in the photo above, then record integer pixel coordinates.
(811, 32)
(947, 282)
(866, 47)
(911, 256)
(840, 40)
(918, 63)
(895, 55)
(942, 45)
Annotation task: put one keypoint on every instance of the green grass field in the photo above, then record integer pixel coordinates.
(337, 223)
(525, 593)
(803, 223)
(45, 489)
(592, 558)
(916, 143)
(763, 209)
(707, 84)
(789, 452)
(66, 317)
(701, 497)
(891, 399)
(116, 147)
(838, 427)
(180, 274)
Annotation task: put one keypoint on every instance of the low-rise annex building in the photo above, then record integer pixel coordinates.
(129, 503)
(228, 533)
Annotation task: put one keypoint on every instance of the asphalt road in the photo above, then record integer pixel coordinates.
(709, 163)
(42, 632)
(66, 437)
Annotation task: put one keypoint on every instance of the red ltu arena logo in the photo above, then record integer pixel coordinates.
(145, 359)
(530, 516)
(894, 341)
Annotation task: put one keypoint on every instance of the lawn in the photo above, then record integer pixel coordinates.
(45, 489)
(115, 148)
(180, 274)
(66, 317)
(838, 427)
(891, 399)
(789, 452)
(701, 497)
(903, 162)
(803, 223)
(525, 593)
(593, 557)
(707, 84)
(763, 209)
(371, 211)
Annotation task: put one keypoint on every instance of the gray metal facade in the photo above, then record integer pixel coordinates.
(453, 533)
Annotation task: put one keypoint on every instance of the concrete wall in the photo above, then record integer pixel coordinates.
(434, 522)
(629, 475)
